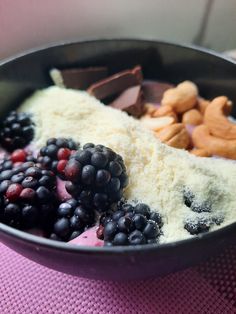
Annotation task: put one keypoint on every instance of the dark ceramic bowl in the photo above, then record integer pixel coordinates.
(214, 75)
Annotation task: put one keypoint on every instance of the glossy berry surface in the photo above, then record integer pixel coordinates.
(71, 220)
(130, 225)
(55, 154)
(17, 131)
(96, 176)
(19, 155)
(27, 193)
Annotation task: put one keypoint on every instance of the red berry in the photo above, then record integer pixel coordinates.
(63, 153)
(61, 165)
(27, 194)
(18, 155)
(72, 170)
(13, 192)
(100, 232)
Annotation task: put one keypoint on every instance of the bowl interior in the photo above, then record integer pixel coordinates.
(22, 75)
(213, 74)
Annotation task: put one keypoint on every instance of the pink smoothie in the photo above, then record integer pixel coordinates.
(61, 190)
(88, 238)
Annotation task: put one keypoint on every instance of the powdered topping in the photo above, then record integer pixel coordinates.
(158, 174)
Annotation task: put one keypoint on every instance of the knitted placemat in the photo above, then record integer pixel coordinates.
(29, 288)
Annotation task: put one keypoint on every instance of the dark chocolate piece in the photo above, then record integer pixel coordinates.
(116, 83)
(153, 91)
(131, 101)
(79, 78)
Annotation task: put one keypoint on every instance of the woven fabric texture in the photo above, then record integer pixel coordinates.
(28, 288)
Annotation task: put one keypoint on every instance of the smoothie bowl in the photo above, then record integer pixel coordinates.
(117, 157)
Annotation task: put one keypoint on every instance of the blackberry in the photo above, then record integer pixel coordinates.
(55, 154)
(28, 195)
(202, 223)
(96, 176)
(5, 164)
(200, 207)
(130, 225)
(71, 220)
(193, 203)
(17, 131)
(188, 196)
(18, 156)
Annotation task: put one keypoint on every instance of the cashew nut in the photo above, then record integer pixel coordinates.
(214, 145)
(174, 135)
(156, 124)
(216, 120)
(165, 111)
(181, 98)
(202, 104)
(192, 117)
(149, 109)
(200, 152)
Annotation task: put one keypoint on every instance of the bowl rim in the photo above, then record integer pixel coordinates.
(60, 43)
(51, 244)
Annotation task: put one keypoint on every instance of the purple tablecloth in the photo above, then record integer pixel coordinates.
(28, 288)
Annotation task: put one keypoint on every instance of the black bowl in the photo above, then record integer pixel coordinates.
(214, 75)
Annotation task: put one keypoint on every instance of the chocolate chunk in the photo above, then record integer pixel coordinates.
(131, 101)
(116, 83)
(153, 91)
(78, 78)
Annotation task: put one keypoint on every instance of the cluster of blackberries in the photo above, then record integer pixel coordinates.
(130, 225)
(55, 154)
(71, 220)
(17, 131)
(28, 195)
(96, 176)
